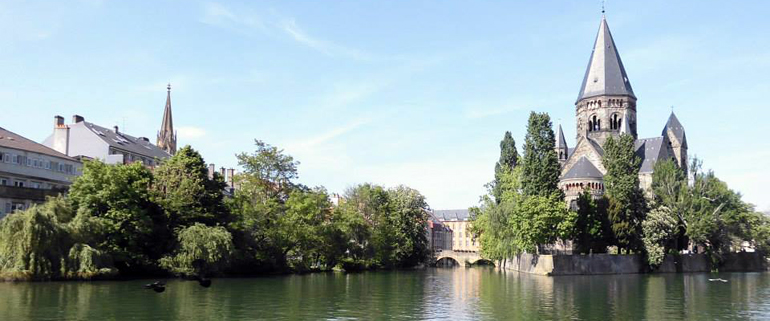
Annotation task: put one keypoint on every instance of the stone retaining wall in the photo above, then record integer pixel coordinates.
(628, 264)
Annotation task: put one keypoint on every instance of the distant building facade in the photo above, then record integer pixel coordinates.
(458, 221)
(29, 172)
(606, 107)
(439, 234)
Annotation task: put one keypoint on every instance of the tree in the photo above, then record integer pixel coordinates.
(268, 170)
(627, 205)
(183, 189)
(40, 244)
(670, 190)
(509, 157)
(541, 169)
(305, 226)
(659, 230)
(409, 214)
(202, 250)
(115, 212)
(592, 228)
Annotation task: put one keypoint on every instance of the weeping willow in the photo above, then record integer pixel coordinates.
(40, 244)
(202, 250)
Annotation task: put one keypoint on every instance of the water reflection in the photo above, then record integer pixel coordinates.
(456, 293)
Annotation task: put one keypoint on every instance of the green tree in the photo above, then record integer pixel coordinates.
(627, 205)
(306, 230)
(592, 228)
(409, 214)
(541, 169)
(40, 244)
(268, 171)
(202, 250)
(115, 212)
(183, 189)
(670, 190)
(509, 157)
(659, 229)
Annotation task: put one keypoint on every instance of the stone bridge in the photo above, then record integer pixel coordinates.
(462, 258)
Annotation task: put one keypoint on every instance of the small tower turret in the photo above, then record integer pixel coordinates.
(562, 151)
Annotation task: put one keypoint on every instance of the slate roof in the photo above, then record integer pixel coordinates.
(560, 141)
(583, 168)
(10, 139)
(605, 74)
(126, 142)
(650, 150)
(452, 215)
(676, 127)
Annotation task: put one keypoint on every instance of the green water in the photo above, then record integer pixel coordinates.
(438, 294)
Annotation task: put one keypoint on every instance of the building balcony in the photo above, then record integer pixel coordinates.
(26, 193)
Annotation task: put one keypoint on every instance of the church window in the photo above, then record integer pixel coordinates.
(590, 126)
(598, 124)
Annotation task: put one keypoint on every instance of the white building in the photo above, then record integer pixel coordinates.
(29, 172)
(84, 139)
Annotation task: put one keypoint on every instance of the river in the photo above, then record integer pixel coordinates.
(431, 294)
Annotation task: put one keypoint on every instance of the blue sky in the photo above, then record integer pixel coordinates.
(390, 92)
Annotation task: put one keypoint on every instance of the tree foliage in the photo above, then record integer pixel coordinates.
(117, 215)
(593, 232)
(185, 192)
(627, 205)
(202, 250)
(509, 158)
(541, 169)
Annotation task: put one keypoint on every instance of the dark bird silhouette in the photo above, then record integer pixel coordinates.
(204, 282)
(157, 286)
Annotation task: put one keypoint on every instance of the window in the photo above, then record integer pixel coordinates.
(7, 158)
(18, 183)
(61, 167)
(8, 207)
(14, 159)
(29, 162)
(47, 165)
(5, 181)
(37, 185)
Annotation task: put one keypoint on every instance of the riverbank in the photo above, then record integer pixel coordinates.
(592, 264)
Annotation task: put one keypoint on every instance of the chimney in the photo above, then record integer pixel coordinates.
(61, 136)
(212, 169)
(77, 118)
(116, 129)
(222, 172)
(230, 177)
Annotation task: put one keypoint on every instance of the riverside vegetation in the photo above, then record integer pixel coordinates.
(128, 220)
(525, 209)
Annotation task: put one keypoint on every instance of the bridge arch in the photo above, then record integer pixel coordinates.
(462, 258)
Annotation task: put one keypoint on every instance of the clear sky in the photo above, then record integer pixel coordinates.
(389, 92)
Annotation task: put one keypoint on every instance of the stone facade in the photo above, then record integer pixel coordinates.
(607, 107)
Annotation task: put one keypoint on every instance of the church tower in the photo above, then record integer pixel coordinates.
(606, 103)
(166, 135)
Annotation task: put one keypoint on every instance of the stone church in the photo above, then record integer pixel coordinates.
(605, 107)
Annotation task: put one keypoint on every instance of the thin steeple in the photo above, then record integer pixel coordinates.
(605, 74)
(560, 141)
(166, 135)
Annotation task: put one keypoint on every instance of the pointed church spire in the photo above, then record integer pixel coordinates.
(560, 141)
(605, 74)
(166, 136)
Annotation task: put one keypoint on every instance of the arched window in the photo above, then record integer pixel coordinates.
(590, 126)
(598, 124)
(620, 123)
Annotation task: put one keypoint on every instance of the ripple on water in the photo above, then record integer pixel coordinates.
(431, 294)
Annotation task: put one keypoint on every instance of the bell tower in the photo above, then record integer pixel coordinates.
(606, 103)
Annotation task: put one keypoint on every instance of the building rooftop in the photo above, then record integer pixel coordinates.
(120, 140)
(10, 139)
(452, 215)
(605, 74)
(583, 168)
